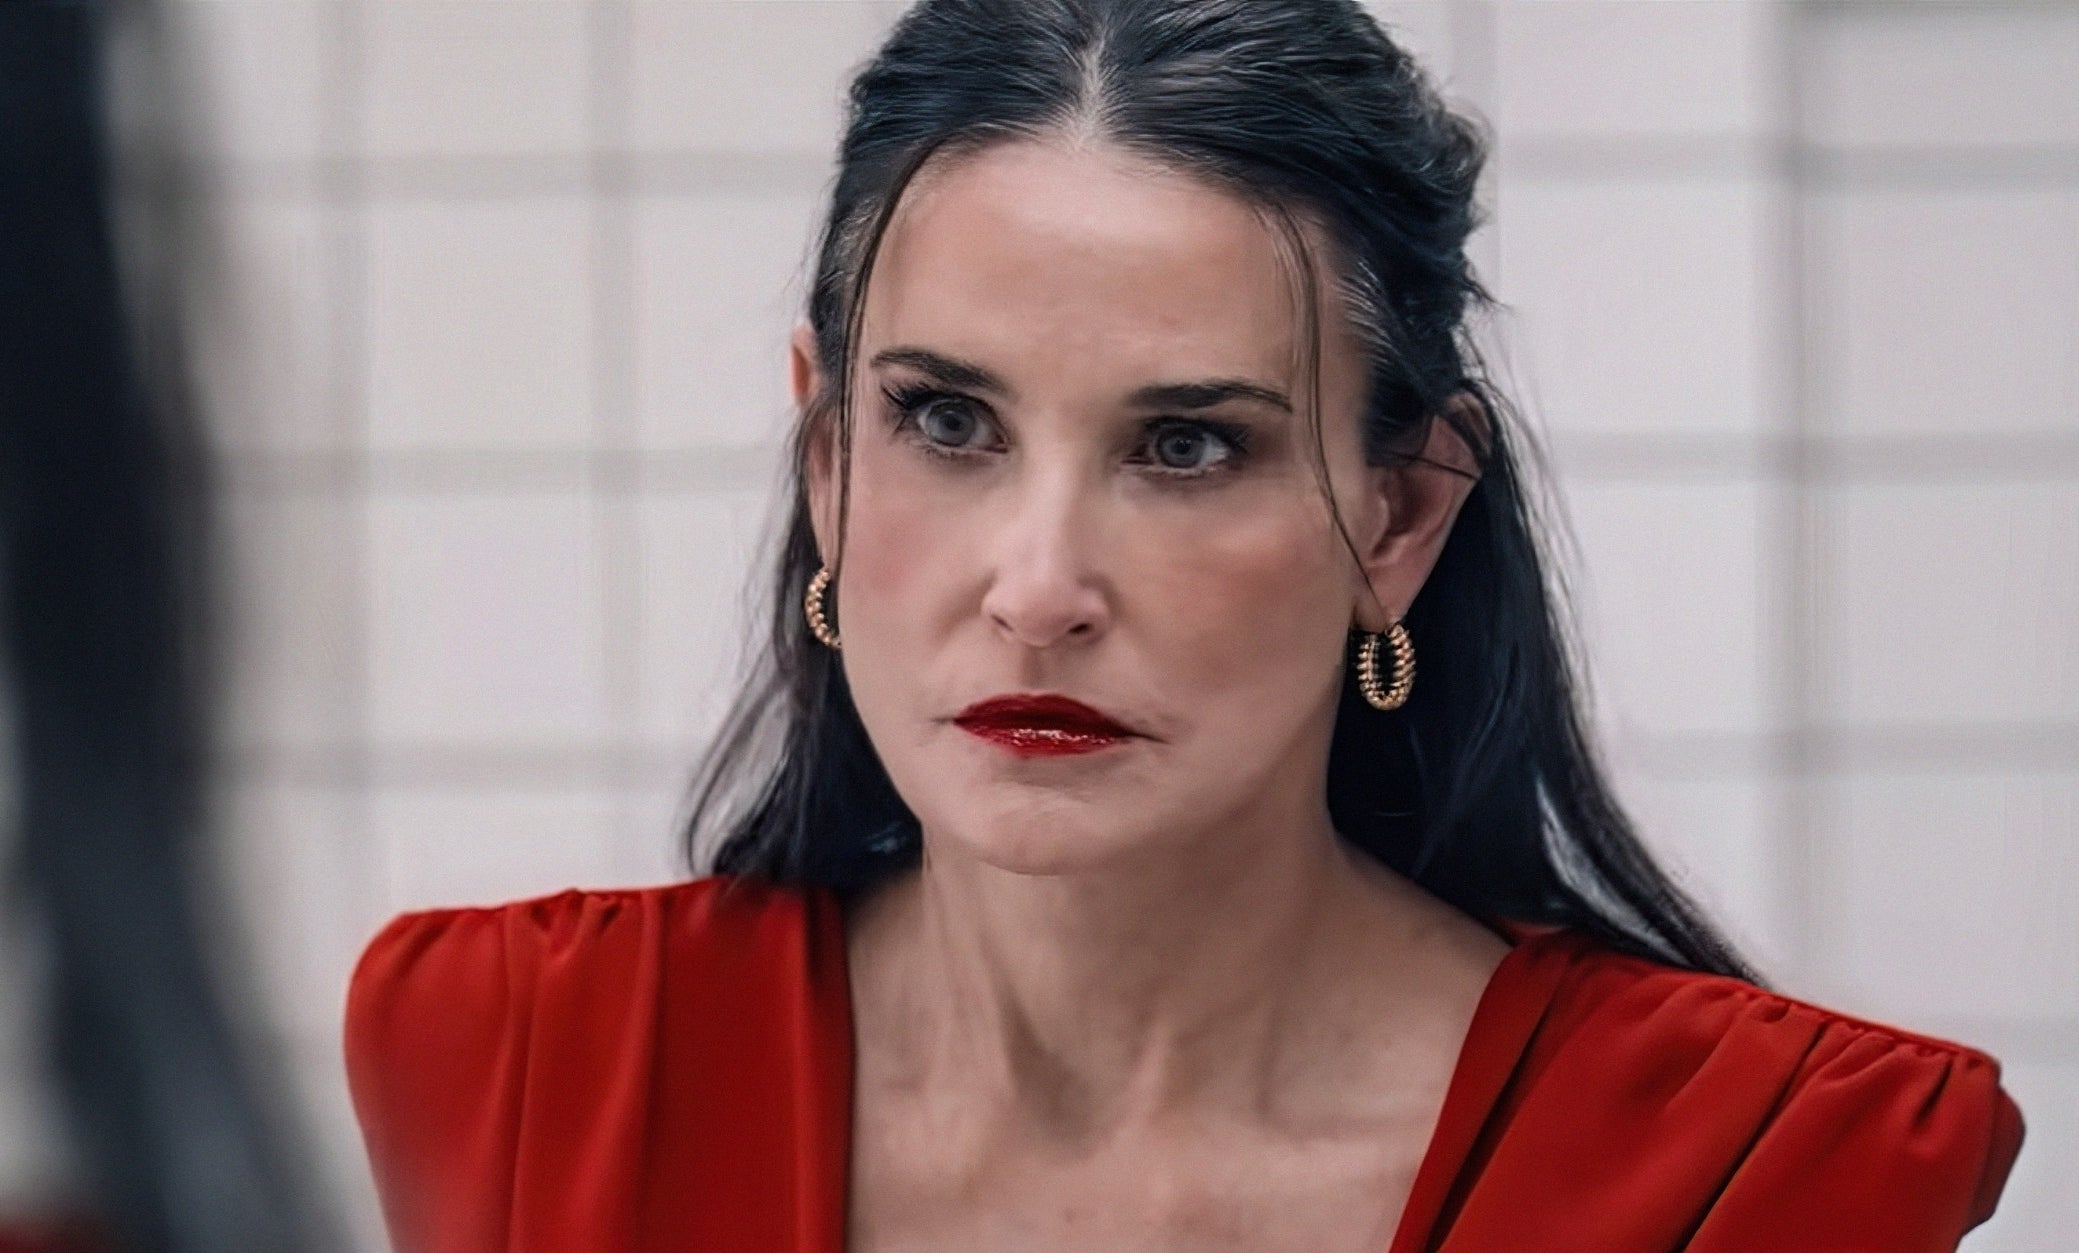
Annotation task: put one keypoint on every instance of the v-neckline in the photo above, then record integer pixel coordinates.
(1506, 1015)
(1518, 991)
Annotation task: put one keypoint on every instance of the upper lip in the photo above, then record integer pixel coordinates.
(1041, 709)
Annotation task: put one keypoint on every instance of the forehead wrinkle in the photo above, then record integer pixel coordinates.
(1073, 327)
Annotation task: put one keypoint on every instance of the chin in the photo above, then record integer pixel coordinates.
(1032, 837)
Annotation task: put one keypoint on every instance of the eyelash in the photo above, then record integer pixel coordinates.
(908, 401)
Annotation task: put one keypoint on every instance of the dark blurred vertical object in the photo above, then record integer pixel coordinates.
(103, 593)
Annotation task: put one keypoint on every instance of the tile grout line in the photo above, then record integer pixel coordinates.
(1934, 460)
(694, 172)
(366, 861)
(1668, 756)
(1799, 864)
(343, 114)
(616, 499)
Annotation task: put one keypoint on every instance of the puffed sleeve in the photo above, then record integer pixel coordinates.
(611, 1069)
(499, 1059)
(1881, 1140)
(430, 1054)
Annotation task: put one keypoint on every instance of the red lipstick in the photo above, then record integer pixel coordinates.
(1041, 725)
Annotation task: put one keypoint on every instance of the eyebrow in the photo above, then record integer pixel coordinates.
(1207, 394)
(1203, 394)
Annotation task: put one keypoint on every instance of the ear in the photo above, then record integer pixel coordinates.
(1411, 508)
(805, 383)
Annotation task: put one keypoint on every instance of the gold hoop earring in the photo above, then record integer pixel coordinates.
(812, 605)
(1386, 695)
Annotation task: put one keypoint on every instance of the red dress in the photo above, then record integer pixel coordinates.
(670, 1068)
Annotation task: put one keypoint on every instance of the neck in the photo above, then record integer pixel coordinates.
(1084, 1005)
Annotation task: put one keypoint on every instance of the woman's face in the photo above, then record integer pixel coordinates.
(1081, 466)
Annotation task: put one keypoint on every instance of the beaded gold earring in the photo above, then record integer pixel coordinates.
(1386, 695)
(812, 605)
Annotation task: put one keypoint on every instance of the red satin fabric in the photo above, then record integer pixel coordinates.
(670, 1068)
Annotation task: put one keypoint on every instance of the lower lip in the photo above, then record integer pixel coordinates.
(1032, 741)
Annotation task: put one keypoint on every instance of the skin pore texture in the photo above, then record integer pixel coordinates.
(1145, 997)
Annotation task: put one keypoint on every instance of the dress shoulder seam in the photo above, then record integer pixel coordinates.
(1787, 1005)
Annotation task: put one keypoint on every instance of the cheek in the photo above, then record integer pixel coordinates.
(899, 533)
(1241, 589)
(1254, 593)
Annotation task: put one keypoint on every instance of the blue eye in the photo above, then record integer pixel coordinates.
(939, 422)
(945, 420)
(1193, 448)
(953, 427)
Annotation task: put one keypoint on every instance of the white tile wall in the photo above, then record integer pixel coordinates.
(1611, 69)
(486, 621)
(698, 589)
(1950, 604)
(696, 69)
(1951, 894)
(267, 334)
(1940, 291)
(649, 827)
(1677, 605)
(1718, 835)
(499, 360)
(1643, 305)
(309, 895)
(470, 79)
(1939, 76)
(720, 280)
(1946, 311)
(479, 323)
(462, 846)
(293, 680)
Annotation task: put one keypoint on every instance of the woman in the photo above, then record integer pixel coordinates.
(1094, 872)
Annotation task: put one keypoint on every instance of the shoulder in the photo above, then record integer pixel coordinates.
(446, 972)
(740, 917)
(1793, 1107)
(453, 965)
(1616, 999)
(470, 1032)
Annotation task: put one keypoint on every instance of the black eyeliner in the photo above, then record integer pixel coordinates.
(907, 400)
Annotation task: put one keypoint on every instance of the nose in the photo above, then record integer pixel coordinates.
(1045, 589)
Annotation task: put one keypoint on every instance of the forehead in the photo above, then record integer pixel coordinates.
(1045, 253)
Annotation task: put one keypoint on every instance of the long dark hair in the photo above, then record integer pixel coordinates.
(1484, 788)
